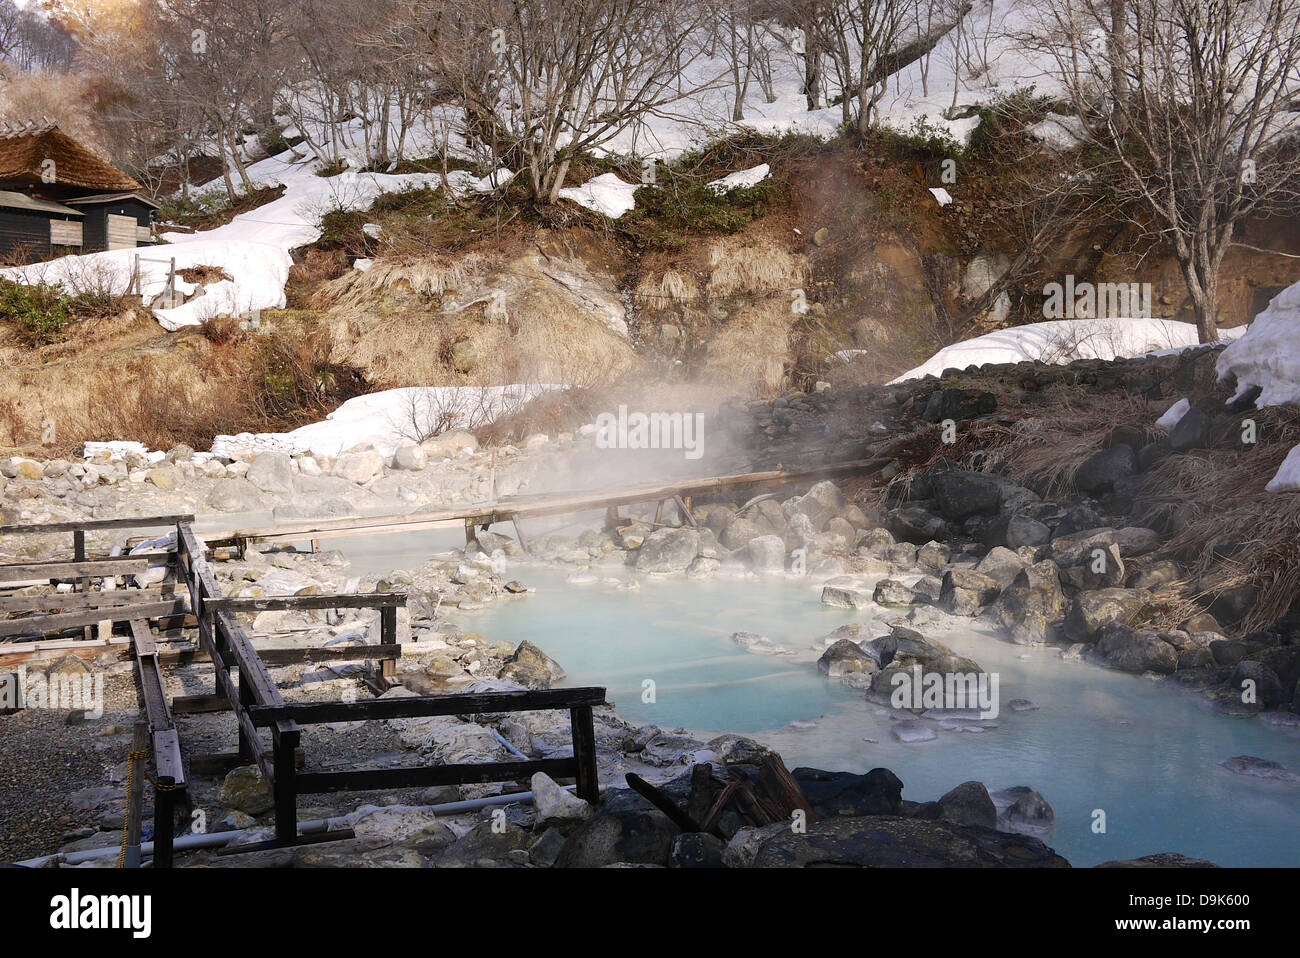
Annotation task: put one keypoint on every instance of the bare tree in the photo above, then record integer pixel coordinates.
(859, 37)
(542, 81)
(1188, 106)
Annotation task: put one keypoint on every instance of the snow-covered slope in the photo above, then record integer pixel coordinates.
(1268, 356)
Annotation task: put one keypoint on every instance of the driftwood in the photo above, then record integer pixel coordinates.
(774, 797)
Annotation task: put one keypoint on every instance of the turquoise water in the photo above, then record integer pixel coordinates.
(1100, 740)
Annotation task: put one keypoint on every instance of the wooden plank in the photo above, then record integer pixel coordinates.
(584, 752)
(367, 779)
(40, 624)
(782, 788)
(90, 525)
(200, 704)
(70, 601)
(20, 572)
(308, 713)
(662, 802)
(702, 792)
(536, 506)
(338, 653)
(142, 638)
(269, 603)
(167, 756)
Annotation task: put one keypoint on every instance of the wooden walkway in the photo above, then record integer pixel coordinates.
(514, 508)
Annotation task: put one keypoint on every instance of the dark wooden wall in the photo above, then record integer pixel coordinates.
(94, 234)
(23, 230)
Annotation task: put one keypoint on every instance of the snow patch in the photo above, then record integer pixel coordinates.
(741, 179)
(605, 194)
(1173, 415)
(1060, 341)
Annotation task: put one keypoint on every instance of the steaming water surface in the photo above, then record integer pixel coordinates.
(1100, 740)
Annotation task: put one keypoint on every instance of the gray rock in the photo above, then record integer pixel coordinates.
(1268, 689)
(666, 551)
(961, 494)
(893, 592)
(245, 790)
(530, 667)
(628, 835)
(844, 598)
(271, 472)
(358, 467)
(1026, 531)
(882, 841)
(966, 592)
(1255, 767)
(1100, 471)
(1132, 651)
(766, 553)
(696, 850)
(409, 458)
(845, 657)
(1093, 611)
(969, 804)
(556, 805)
(1002, 565)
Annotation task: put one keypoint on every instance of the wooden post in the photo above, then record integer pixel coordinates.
(685, 507)
(523, 543)
(139, 744)
(105, 626)
(659, 512)
(82, 583)
(388, 636)
(584, 752)
(285, 788)
(164, 801)
(471, 540)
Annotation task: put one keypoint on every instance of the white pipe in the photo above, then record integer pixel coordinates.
(218, 839)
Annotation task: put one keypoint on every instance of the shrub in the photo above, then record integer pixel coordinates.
(39, 311)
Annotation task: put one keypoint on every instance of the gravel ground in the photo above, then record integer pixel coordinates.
(43, 760)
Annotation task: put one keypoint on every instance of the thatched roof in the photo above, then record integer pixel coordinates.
(24, 150)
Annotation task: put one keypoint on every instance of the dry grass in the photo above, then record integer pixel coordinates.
(754, 266)
(1219, 495)
(675, 287)
(751, 351)
(429, 276)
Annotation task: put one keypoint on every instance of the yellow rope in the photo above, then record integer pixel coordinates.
(126, 811)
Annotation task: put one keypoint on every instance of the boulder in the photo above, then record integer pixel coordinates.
(245, 790)
(358, 467)
(961, 494)
(969, 804)
(766, 553)
(409, 458)
(556, 805)
(1026, 531)
(696, 850)
(839, 598)
(530, 667)
(1093, 611)
(738, 531)
(1268, 689)
(666, 551)
(1031, 603)
(1002, 565)
(844, 657)
(882, 841)
(916, 524)
(966, 592)
(271, 472)
(831, 794)
(628, 836)
(1100, 471)
(893, 592)
(1132, 651)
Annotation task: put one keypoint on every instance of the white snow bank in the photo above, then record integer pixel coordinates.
(1173, 415)
(1061, 341)
(605, 194)
(119, 449)
(386, 420)
(1268, 356)
(741, 179)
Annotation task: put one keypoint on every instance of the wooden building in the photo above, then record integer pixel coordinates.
(58, 197)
